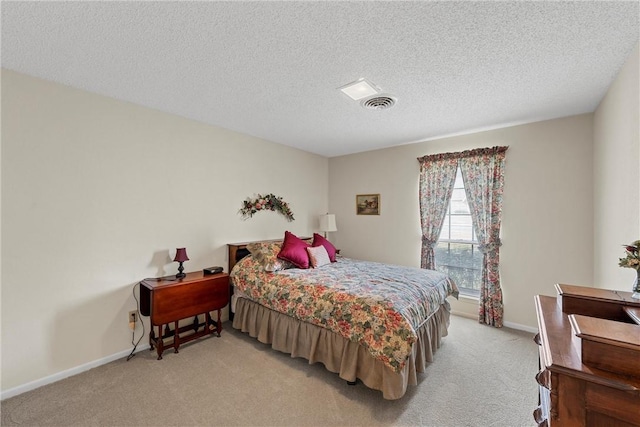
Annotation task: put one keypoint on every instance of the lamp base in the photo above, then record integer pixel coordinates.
(180, 274)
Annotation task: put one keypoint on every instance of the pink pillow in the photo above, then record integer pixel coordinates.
(294, 250)
(331, 250)
(318, 256)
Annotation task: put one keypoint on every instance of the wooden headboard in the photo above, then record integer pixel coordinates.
(237, 251)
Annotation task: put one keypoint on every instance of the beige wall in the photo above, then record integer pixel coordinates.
(547, 228)
(616, 177)
(98, 193)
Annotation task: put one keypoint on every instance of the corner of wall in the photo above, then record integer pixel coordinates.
(616, 177)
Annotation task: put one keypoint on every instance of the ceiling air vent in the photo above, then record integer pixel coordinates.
(381, 102)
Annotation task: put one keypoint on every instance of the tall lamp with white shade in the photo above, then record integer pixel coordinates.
(327, 223)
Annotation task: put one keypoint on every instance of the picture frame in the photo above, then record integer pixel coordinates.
(368, 204)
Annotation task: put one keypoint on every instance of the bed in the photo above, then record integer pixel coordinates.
(363, 320)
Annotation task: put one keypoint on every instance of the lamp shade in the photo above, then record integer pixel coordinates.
(181, 255)
(328, 222)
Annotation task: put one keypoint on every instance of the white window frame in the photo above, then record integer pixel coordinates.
(462, 287)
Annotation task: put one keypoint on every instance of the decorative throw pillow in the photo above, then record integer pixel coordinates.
(294, 250)
(266, 254)
(331, 250)
(318, 256)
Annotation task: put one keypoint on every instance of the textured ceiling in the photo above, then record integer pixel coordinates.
(272, 69)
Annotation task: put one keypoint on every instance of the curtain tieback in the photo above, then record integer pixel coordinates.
(490, 247)
(428, 242)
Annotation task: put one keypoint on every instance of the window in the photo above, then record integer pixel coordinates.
(457, 252)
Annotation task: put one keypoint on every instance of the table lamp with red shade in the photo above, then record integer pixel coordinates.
(181, 256)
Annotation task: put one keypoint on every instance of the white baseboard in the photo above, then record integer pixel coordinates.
(5, 394)
(511, 325)
(463, 314)
(521, 327)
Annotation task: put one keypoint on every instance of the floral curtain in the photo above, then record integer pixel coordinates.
(437, 176)
(483, 176)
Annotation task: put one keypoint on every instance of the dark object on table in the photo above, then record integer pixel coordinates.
(212, 270)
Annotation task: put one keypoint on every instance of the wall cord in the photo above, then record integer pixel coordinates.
(133, 334)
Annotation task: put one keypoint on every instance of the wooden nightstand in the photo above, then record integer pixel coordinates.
(168, 300)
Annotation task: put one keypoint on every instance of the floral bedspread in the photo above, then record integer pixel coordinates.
(379, 306)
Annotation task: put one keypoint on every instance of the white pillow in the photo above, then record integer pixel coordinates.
(318, 256)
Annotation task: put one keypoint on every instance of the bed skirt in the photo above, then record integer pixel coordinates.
(339, 355)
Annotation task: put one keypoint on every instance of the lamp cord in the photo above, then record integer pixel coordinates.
(133, 334)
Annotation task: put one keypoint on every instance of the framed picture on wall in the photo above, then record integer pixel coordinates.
(368, 204)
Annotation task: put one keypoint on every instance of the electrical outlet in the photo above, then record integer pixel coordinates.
(133, 317)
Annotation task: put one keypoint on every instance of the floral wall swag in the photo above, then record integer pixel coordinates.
(265, 202)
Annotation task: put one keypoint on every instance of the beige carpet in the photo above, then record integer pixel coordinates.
(481, 376)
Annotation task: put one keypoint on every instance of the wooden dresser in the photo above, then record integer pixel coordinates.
(589, 358)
